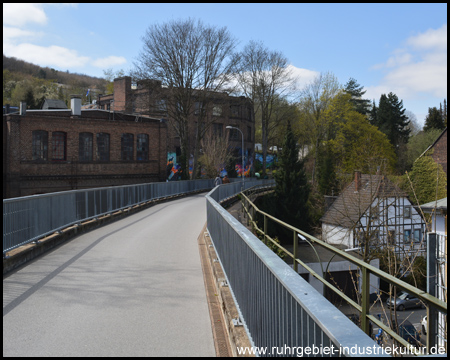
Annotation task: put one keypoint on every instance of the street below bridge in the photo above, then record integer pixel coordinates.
(132, 288)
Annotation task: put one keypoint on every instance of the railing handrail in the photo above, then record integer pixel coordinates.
(441, 305)
(65, 192)
(227, 233)
(30, 218)
(365, 268)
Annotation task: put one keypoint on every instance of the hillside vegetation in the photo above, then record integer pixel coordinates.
(23, 81)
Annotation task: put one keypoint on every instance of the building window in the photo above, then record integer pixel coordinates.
(218, 130)
(161, 106)
(406, 236)
(234, 109)
(374, 212)
(127, 147)
(217, 110)
(248, 113)
(234, 134)
(202, 126)
(198, 108)
(142, 147)
(249, 133)
(103, 147)
(417, 235)
(39, 145)
(407, 212)
(59, 146)
(85, 146)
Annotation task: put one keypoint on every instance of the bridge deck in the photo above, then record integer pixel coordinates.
(132, 288)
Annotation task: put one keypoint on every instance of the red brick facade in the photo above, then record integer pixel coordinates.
(440, 150)
(24, 175)
(234, 111)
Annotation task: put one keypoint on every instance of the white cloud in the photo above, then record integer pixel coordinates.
(11, 34)
(303, 76)
(109, 61)
(431, 39)
(48, 55)
(417, 69)
(21, 42)
(21, 14)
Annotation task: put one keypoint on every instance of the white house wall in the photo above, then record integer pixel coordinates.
(337, 235)
(391, 218)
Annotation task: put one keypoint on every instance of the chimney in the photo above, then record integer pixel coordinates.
(122, 94)
(23, 108)
(75, 105)
(357, 181)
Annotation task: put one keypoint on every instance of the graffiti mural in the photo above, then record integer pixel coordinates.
(270, 159)
(248, 164)
(172, 169)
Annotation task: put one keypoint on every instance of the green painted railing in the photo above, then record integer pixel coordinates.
(366, 269)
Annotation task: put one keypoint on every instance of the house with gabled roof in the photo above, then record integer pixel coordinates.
(372, 208)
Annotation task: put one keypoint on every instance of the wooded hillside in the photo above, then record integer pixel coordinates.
(24, 81)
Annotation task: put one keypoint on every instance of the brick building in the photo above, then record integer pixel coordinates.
(439, 154)
(56, 150)
(219, 111)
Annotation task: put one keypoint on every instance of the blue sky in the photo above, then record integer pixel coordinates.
(386, 47)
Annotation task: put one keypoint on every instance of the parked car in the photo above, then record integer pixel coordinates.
(408, 332)
(405, 301)
(424, 325)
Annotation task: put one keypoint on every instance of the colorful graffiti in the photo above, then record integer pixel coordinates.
(172, 169)
(247, 170)
(270, 159)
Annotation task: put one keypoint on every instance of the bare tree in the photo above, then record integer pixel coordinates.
(264, 77)
(315, 99)
(191, 60)
(215, 153)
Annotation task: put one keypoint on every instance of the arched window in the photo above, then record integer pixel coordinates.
(40, 145)
(103, 147)
(127, 147)
(59, 146)
(142, 147)
(85, 146)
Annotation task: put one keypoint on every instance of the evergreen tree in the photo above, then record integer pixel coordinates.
(373, 114)
(391, 120)
(428, 179)
(29, 99)
(434, 120)
(327, 173)
(292, 188)
(356, 91)
(444, 112)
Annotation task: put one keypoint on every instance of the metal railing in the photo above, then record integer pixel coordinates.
(437, 286)
(279, 309)
(29, 218)
(366, 269)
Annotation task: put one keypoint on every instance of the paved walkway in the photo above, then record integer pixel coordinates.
(132, 288)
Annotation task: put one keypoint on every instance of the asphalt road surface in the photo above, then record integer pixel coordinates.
(131, 288)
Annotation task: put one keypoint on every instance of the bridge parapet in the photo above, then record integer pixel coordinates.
(282, 313)
(30, 218)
